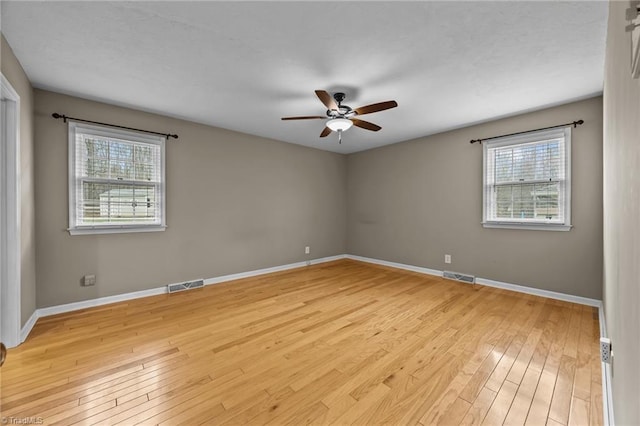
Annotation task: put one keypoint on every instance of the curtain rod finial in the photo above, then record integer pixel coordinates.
(56, 116)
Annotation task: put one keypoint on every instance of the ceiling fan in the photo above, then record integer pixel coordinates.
(341, 117)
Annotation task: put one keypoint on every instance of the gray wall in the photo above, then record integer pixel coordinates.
(416, 201)
(13, 72)
(622, 216)
(235, 203)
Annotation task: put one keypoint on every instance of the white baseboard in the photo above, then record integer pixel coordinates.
(240, 275)
(396, 265)
(489, 283)
(84, 304)
(26, 329)
(538, 292)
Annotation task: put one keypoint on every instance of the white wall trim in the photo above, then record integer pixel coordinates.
(538, 292)
(10, 263)
(527, 226)
(28, 326)
(487, 282)
(406, 267)
(84, 304)
(607, 393)
(240, 275)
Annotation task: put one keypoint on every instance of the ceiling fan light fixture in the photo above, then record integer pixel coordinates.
(342, 124)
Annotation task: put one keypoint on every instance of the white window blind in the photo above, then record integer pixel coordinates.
(527, 181)
(116, 180)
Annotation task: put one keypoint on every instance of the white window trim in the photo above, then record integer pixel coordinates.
(529, 225)
(124, 134)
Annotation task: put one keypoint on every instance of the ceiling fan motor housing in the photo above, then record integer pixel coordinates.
(343, 111)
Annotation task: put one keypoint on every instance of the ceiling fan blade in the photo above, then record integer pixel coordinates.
(380, 106)
(325, 132)
(326, 99)
(304, 117)
(366, 125)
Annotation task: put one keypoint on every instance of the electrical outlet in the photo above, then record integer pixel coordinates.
(88, 280)
(447, 258)
(307, 250)
(605, 350)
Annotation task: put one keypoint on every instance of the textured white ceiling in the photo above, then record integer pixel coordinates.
(243, 65)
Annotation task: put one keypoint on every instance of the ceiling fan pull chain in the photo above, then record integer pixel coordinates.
(340, 137)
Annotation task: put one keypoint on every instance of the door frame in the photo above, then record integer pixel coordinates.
(10, 254)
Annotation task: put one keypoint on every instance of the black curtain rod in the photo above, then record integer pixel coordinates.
(65, 118)
(573, 123)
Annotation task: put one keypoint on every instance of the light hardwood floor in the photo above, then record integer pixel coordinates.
(337, 343)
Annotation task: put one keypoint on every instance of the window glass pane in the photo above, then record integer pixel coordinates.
(118, 203)
(504, 202)
(97, 168)
(143, 154)
(144, 202)
(115, 159)
(96, 148)
(504, 165)
(523, 201)
(91, 208)
(121, 160)
(524, 160)
(546, 200)
(121, 169)
(96, 153)
(144, 171)
(541, 161)
(556, 160)
(120, 151)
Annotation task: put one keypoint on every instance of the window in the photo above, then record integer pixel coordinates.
(527, 181)
(116, 180)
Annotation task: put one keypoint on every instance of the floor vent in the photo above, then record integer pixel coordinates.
(470, 279)
(185, 286)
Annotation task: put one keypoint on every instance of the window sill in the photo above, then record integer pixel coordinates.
(115, 230)
(527, 226)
